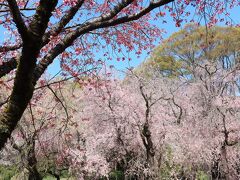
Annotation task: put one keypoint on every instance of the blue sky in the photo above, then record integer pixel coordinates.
(169, 27)
(122, 65)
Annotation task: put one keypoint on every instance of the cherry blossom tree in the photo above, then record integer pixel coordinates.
(39, 138)
(39, 44)
(39, 32)
(127, 126)
(145, 127)
(210, 94)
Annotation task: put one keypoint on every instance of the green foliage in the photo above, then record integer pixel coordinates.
(49, 178)
(7, 172)
(201, 175)
(170, 170)
(113, 175)
(116, 175)
(64, 174)
(47, 166)
(61, 178)
(61, 173)
(180, 54)
(168, 167)
(11, 172)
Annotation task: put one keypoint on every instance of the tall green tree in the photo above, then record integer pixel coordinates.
(194, 48)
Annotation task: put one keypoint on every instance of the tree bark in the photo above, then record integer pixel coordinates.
(21, 94)
(34, 39)
(32, 162)
(23, 83)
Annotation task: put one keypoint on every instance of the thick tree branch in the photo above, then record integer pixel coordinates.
(97, 23)
(27, 73)
(118, 8)
(94, 24)
(133, 17)
(7, 67)
(41, 18)
(10, 64)
(23, 82)
(10, 48)
(146, 133)
(17, 18)
(63, 22)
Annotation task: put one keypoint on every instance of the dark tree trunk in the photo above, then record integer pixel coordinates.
(32, 162)
(23, 83)
(34, 175)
